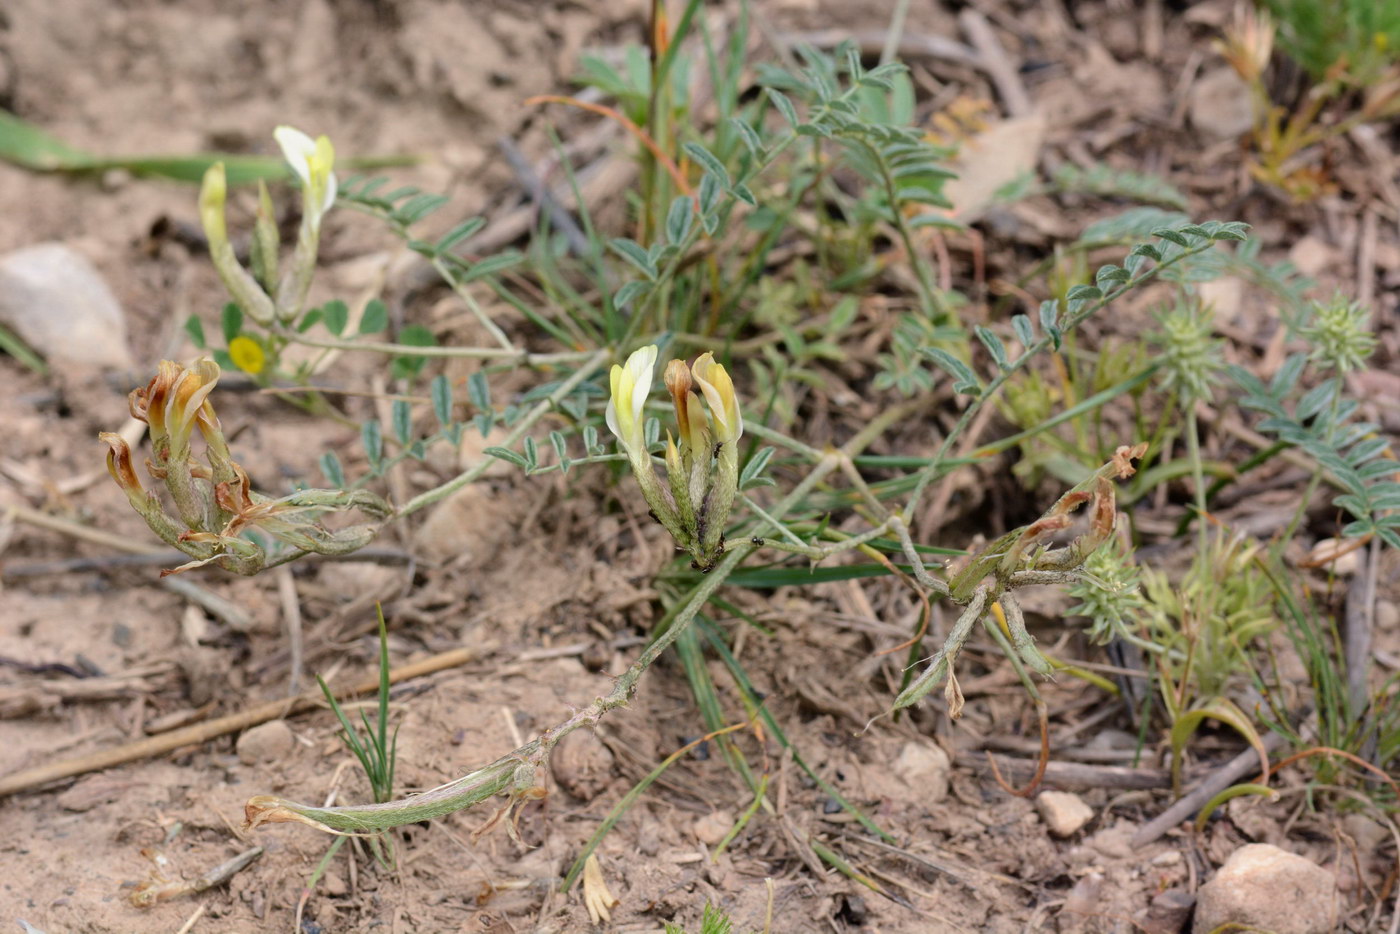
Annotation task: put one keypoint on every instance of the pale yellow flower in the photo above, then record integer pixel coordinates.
(630, 385)
(213, 192)
(246, 291)
(725, 418)
(312, 161)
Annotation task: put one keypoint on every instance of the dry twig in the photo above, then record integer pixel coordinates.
(203, 732)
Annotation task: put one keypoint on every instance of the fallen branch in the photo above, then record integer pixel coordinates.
(203, 732)
(1228, 774)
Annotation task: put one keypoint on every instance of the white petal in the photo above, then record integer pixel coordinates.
(297, 149)
(641, 366)
(612, 420)
(330, 193)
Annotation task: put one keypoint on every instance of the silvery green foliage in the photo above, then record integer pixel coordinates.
(1320, 423)
(1101, 181)
(1190, 338)
(1107, 182)
(403, 207)
(870, 118)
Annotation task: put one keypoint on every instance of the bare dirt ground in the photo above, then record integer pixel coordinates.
(550, 614)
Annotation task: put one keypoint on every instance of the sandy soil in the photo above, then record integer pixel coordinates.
(550, 614)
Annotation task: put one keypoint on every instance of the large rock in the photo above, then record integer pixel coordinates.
(1269, 888)
(59, 304)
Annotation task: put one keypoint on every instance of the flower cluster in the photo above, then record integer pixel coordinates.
(1108, 594)
(1340, 334)
(263, 295)
(214, 501)
(702, 470)
(1191, 354)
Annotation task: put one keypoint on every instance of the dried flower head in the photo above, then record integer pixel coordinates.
(1248, 43)
(215, 501)
(690, 415)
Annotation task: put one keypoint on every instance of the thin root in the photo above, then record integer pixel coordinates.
(1040, 767)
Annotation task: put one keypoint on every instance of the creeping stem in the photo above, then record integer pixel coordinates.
(507, 772)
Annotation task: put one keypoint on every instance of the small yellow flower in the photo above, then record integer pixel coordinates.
(718, 389)
(630, 385)
(247, 354)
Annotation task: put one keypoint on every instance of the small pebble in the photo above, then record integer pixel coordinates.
(332, 884)
(581, 764)
(1266, 887)
(924, 767)
(854, 911)
(1083, 899)
(265, 742)
(1114, 842)
(1387, 615)
(711, 828)
(1167, 914)
(1064, 813)
(1220, 104)
(1339, 556)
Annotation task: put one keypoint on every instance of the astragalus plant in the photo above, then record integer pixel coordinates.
(716, 207)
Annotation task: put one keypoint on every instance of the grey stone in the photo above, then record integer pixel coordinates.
(1387, 615)
(59, 304)
(1266, 887)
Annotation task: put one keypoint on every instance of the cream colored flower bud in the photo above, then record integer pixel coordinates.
(726, 421)
(630, 385)
(312, 161)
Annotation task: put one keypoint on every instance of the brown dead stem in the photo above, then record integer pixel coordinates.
(1043, 715)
